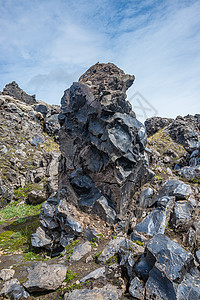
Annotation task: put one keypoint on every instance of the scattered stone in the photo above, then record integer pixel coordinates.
(157, 220)
(13, 289)
(44, 277)
(91, 235)
(6, 274)
(136, 289)
(172, 187)
(80, 251)
(108, 292)
(102, 209)
(113, 247)
(144, 197)
(197, 255)
(171, 259)
(182, 215)
(190, 173)
(94, 275)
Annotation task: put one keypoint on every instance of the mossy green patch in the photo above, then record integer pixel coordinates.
(70, 276)
(22, 193)
(162, 142)
(112, 260)
(16, 236)
(16, 209)
(70, 248)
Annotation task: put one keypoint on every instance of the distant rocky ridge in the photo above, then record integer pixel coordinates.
(123, 211)
(28, 150)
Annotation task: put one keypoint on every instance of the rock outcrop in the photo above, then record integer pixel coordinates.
(28, 156)
(103, 159)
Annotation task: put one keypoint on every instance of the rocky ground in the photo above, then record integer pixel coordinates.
(121, 216)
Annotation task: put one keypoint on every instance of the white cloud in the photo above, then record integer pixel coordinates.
(45, 45)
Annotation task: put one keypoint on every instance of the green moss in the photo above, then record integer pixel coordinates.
(138, 243)
(96, 256)
(112, 260)
(70, 248)
(114, 237)
(16, 209)
(70, 276)
(22, 193)
(18, 236)
(162, 142)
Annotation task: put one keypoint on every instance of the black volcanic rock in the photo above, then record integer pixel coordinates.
(102, 146)
(154, 124)
(101, 139)
(12, 89)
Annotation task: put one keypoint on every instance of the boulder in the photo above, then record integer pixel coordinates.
(6, 274)
(108, 292)
(136, 289)
(190, 286)
(170, 258)
(96, 274)
(172, 187)
(14, 290)
(157, 220)
(190, 173)
(182, 215)
(44, 277)
(113, 247)
(80, 251)
(102, 209)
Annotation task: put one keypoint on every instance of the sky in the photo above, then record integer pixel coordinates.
(45, 45)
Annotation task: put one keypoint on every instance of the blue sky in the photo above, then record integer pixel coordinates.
(45, 45)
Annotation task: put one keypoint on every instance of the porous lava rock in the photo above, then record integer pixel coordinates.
(102, 143)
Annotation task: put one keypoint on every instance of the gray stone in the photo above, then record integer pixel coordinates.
(159, 286)
(80, 251)
(113, 247)
(197, 254)
(44, 277)
(108, 292)
(6, 274)
(172, 187)
(144, 197)
(91, 235)
(102, 209)
(13, 289)
(190, 173)
(157, 220)
(40, 239)
(182, 215)
(171, 259)
(136, 289)
(189, 289)
(94, 274)
(137, 236)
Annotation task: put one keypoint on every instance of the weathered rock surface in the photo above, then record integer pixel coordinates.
(12, 89)
(157, 220)
(44, 277)
(14, 290)
(136, 289)
(175, 188)
(103, 147)
(113, 247)
(28, 156)
(80, 251)
(190, 173)
(6, 274)
(154, 124)
(108, 292)
(100, 272)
